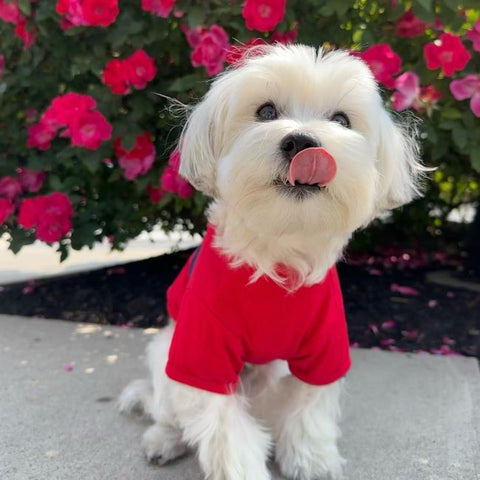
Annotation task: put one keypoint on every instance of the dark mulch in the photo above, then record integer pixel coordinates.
(389, 303)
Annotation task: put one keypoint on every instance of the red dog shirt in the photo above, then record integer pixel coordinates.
(224, 321)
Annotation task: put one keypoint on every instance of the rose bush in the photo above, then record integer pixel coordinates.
(88, 138)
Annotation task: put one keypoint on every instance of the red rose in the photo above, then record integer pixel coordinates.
(115, 76)
(155, 193)
(409, 25)
(447, 53)
(171, 181)
(100, 12)
(263, 15)
(162, 8)
(40, 136)
(140, 69)
(383, 62)
(50, 214)
(6, 209)
(67, 107)
(135, 71)
(285, 38)
(89, 130)
(28, 213)
(27, 36)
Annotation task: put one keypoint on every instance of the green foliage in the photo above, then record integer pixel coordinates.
(108, 205)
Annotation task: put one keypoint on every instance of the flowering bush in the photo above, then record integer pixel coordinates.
(88, 148)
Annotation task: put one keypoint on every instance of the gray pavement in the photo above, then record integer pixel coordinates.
(406, 417)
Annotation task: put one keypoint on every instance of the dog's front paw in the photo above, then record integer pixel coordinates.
(162, 444)
(309, 462)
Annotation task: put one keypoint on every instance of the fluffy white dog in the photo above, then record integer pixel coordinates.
(297, 152)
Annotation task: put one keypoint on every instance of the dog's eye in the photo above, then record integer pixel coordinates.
(341, 118)
(267, 112)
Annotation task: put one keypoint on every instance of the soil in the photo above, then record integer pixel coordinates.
(389, 303)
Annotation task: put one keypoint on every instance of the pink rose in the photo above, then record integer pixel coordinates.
(162, 8)
(89, 130)
(30, 180)
(474, 36)
(9, 11)
(40, 136)
(209, 48)
(6, 209)
(468, 87)
(10, 187)
(139, 159)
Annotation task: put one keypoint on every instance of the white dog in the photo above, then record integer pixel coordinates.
(297, 152)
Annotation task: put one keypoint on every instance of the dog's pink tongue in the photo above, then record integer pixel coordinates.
(312, 166)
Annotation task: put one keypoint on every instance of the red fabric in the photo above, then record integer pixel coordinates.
(224, 321)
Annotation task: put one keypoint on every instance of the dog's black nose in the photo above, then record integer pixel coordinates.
(292, 144)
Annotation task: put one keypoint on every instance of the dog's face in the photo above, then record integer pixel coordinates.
(296, 140)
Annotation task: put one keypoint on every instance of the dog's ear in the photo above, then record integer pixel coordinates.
(398, 163)
(202, 139)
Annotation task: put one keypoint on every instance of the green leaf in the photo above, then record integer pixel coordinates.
(460, 137)
(451, 113)
(184, 83)
(92, 162)
(475, 158)
(25, 7)
(196, 16)
(423, 10)
(19, 238)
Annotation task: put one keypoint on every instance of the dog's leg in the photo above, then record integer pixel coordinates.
(161, 442)
(231, 445)
(304, 419)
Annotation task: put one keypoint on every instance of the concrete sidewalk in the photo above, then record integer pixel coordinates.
(407, 417)
(40, 260)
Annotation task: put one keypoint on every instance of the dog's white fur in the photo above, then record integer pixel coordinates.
(233, 157)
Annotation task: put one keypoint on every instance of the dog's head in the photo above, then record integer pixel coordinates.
(297, 140)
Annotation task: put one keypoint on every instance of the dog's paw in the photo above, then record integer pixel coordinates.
(309, 463)
(162, 444)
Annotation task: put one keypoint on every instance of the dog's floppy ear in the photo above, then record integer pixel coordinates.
(398, 163)
(202, 138)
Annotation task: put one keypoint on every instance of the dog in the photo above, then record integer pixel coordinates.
(297, 152)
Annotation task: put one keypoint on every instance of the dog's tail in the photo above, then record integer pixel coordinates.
(137, 398)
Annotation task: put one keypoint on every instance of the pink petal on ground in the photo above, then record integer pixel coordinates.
(450, 295)
(410, 334)
(29, 288)
(375, 271)
(404, 290)
(388, 324)
(68, 367)
(387, 342)
(448, 341)
(354, 345)
(373, 327)
(432, 303)
(393, 348)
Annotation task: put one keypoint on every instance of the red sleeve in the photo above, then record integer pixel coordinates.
(324, 356)
(203, 353)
